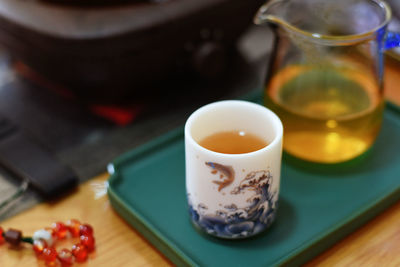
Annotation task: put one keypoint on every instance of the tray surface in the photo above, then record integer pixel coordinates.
(318, 205)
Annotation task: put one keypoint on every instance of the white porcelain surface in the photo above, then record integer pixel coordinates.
(250, 181)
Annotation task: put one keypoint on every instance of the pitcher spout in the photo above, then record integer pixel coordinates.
(271, 12)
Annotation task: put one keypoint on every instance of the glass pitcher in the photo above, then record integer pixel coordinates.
(325, 80)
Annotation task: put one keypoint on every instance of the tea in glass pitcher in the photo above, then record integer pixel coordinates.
(330, 114)
(326, 77)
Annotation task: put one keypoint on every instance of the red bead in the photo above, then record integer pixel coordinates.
(59, 230)
(49, 255)
(80, 252)
(73, 227)
(39, 246)
(86, 229)
(1, 236)
(88, 241)
(66, 257)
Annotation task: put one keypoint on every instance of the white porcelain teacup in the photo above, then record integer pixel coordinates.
(233, 195)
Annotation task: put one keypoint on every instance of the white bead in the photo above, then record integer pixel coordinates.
(43, 234)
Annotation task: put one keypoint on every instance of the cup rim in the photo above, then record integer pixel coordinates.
(274, 119)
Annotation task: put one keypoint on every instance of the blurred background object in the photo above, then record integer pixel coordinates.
(106, 51)
(395, 4)
(90, 82)
(395, 25)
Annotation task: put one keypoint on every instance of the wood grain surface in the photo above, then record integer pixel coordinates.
(375, 244)
(117, 244)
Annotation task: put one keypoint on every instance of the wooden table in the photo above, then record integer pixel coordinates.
(375, 244)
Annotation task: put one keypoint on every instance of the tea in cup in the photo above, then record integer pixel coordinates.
(233, 152)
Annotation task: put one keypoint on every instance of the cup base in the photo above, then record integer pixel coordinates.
(235, 227)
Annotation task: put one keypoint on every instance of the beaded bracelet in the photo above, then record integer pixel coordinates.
(43, 242)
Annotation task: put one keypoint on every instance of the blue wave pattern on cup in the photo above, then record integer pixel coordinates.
(240, 222)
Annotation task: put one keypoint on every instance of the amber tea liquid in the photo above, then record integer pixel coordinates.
(233, 142)
(329, 115)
